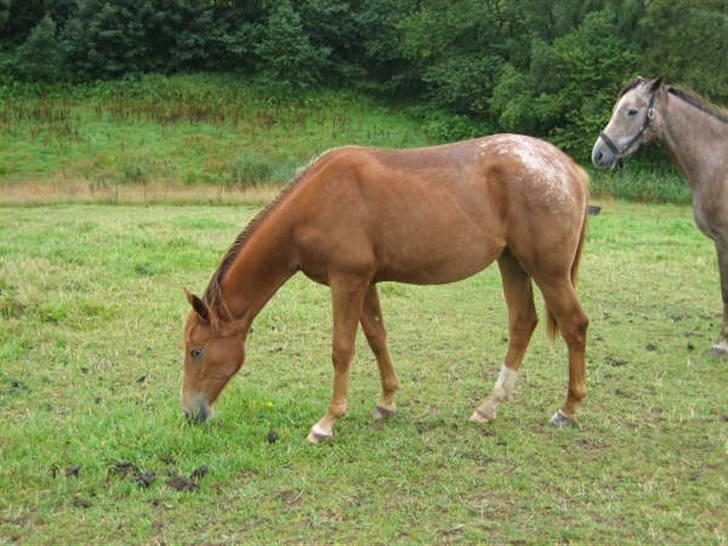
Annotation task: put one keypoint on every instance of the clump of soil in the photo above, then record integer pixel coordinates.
(145, 479)
(126, 469)
(199, 473)
(616, 362)
(82, 503)
(181, 483)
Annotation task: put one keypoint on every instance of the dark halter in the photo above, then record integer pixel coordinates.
(620, 154)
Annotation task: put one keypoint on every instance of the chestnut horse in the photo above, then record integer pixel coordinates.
(357, 216)
(695, 135)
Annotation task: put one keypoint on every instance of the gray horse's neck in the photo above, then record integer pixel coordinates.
(696, 143)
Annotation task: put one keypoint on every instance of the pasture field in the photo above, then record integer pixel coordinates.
(218, 138)
(91, 312)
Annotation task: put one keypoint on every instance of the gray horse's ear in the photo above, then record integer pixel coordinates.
(198, 305)
(655, 84)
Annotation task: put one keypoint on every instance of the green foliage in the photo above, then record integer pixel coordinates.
(4, 13)
(249, 171)
(40, 57)
(687, 42)
(184, 129)
(287, 56)
(646, 182)
(592, 62)
(547, 68)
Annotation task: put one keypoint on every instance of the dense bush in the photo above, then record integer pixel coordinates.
(544, 68)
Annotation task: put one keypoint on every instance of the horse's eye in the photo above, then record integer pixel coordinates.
(196, 353)
(632, 112)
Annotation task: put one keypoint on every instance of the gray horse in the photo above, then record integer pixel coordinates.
(695, 135)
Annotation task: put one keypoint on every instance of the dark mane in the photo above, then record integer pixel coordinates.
(690, 97)
(639, 80)
(700, 103)
(213, 295)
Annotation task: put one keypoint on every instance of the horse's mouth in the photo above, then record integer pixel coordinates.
(602, 159)
(200, 415)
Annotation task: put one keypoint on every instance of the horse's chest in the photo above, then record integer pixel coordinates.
(711, 217)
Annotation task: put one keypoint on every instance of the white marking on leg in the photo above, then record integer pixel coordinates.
(319, 431)
(502, 390)
(506, 382)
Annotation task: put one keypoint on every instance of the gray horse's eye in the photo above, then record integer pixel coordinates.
(632, 112)
(196, 353)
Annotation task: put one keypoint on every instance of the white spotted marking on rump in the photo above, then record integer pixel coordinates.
(539, 158)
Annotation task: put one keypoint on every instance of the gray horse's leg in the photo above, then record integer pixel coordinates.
(721, 348)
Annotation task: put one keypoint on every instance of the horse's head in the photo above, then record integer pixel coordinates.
(214, 351)
(632, 124)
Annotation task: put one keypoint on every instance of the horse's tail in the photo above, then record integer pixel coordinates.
(552, 327)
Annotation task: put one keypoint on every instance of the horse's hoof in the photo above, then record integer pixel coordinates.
(381, 412)
(478, 417)
(719, 349)
(561, 420)
(318, 435)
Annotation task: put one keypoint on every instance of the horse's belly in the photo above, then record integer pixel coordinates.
(437, 264)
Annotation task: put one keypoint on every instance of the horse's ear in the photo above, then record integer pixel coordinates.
(198, 305)
(655, 84)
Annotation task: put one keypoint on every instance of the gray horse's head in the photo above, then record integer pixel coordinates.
(631, 125)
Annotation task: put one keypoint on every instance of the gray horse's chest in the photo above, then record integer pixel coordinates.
(711, 215)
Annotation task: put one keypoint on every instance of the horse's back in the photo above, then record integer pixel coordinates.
(442, 213)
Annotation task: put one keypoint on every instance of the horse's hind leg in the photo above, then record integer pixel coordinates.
(522, 320)
(373, 326)
(562, 302)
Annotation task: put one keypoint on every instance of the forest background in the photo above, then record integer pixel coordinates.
(461, 68)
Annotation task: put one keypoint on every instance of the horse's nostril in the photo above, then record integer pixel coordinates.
(198, 416)
(600, 155)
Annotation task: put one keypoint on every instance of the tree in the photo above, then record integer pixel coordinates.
(286, 55)
(40, 57)
(687, 42)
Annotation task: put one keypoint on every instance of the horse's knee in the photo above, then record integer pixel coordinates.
(342, 354)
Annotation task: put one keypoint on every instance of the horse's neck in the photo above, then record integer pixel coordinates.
(263, 264)
(695, 140)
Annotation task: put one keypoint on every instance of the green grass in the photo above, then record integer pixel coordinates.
(184, 129)
(225, 132)
(91, 311)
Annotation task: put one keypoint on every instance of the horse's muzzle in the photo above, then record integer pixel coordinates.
(199, 416)
(200, 413)
(602, 156)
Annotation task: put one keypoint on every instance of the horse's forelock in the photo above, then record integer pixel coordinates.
(639, 80)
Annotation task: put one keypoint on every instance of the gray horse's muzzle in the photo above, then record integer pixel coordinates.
(602, 156)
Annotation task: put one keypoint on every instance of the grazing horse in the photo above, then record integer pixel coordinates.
(695, 135)
(357, 216)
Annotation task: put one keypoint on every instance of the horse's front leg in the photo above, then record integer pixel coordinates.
(721, 348)
(348, 299)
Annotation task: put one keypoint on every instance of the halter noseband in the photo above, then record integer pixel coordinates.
(620, 154)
